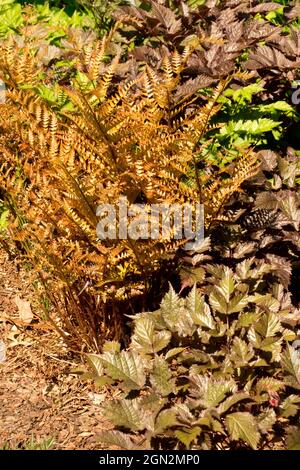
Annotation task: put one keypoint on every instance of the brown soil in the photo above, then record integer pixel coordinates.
(40, 398)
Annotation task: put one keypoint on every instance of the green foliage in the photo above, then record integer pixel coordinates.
(163, 108)
(4, 213)
(19, 19)
(226, 374)
(32, 444)
(255, 36)
(140, 138)
(245, 123)
(102, 11)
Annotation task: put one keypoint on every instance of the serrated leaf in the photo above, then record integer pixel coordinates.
(242, 425)
(199, 310)
(210, 392)
(293, 438)
(184, 415)
(241, 353)
(243, 269)
(146, 340)
(95, 362)
(218, 302)
(191, 276)
(237, 303)
(185, 324)
(266, 302)
(210, 419)
(161, 377)
(125, 413)
(126, 366)
(266, 420)
(291, 365)
(116, 438)
(166, 419)
(290, 406)
(174, 352)
(232, 400)
(247, 319)
(111, 346)
(269, 384)
(290, 207)
(268, 325)
(150, 406)
(170, 308)
(187, 436)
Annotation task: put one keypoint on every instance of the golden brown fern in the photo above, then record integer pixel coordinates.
(140, 142)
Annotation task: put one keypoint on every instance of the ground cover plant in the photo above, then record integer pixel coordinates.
(162, 102)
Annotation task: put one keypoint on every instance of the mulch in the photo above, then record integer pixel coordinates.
(41, 399)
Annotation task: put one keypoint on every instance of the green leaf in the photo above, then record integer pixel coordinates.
(257, 127)
(161, 377)
(291, 365)
(3, 219)
(166, 419)
(268, 325)
(125, 413)
(146, 340)
(227, 284)
(281, 106)
(244, 94)
(293, 438)
(210, 392)
(174, 352)
(241, 353)
(111, 346)
(95, 363)
(242, 425)
(199, 309)
(127, 366)
(290, 406)
(117, 438)
(208, 419)
(217, 301)
(247, 319)
(238, 303)
(171, 307)
(269, 384)
(266, 420)
(232, 400)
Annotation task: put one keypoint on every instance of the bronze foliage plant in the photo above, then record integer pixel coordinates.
(140, 139)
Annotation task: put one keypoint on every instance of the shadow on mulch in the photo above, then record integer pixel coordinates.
(40, 399)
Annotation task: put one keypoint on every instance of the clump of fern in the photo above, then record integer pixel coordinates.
(216, 369)
(141, 141)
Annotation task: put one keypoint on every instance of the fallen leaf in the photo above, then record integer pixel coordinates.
(25, 312)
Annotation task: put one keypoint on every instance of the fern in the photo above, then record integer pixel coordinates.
(141, 140)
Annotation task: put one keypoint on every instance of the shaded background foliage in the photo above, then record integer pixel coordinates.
(230, 332)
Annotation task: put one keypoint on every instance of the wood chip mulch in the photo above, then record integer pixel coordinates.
(40, 399)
